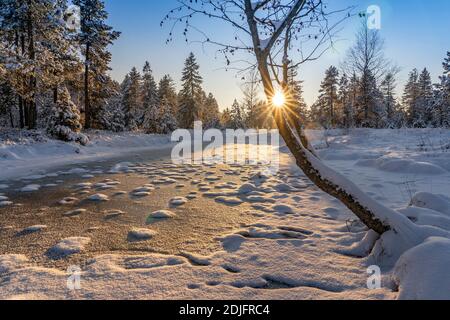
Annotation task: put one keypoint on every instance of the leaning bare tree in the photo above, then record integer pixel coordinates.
(281, 35)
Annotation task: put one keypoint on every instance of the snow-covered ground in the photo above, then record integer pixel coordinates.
(29, 153)
(303, 244)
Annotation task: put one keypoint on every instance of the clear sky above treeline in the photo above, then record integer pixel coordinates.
(417, 34)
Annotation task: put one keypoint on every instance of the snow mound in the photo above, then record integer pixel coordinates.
(431, 201)
(162, 214)
(396, 165)
(5, 204)
(232, 243)
(110, 214)
(178, 201)
(283, 187)
(74, 213)
(231, 201)
(34, 229)
(98, 197)
(31, 188)
(122, 167)
(70, 246)
(141, 234)
(340, 155)
(67, 201)
(422, 272)
(9, 263)
(283, 209)
(247, 188)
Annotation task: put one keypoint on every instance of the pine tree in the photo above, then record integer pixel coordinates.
(237, 116)
(132, 99)
(190, 97)
(95, 38)
(367, 61)
(325, 108)
(151, 103)
(167, 93)
(210, 113)
(441, 110)
(225, 118)
(369, 105)
(410, 100)
(168, 104)
(425, 98)
(295, 102)
(64, 122)
(345, 102)
(388, 89)
(40, 54)
(7, 101)
(167, 120)
(110, 115)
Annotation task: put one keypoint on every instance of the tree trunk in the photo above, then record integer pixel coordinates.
(32, 82)
(11, 118)
(21, 119)
(302, 160)
(26, 113)
(24, 102)
(87, 106)
(55, 94)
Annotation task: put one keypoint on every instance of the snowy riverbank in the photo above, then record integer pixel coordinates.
(30, 153)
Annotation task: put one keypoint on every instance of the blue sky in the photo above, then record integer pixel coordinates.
(417, 34)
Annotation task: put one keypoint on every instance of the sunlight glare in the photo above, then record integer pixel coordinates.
(278, 100)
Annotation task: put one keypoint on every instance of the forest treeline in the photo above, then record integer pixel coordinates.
(363, 91)
(56, 78)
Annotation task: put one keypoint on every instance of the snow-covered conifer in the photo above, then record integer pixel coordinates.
(190, 97)
(64, 122)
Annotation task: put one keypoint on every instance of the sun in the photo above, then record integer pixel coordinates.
(279, 99)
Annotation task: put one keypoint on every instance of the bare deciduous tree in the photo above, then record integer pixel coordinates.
(272, 31)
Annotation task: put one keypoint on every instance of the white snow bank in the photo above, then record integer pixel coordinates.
(427, 217)
(431, 201)
(396, 165)
(21, 156)
(422, 272)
